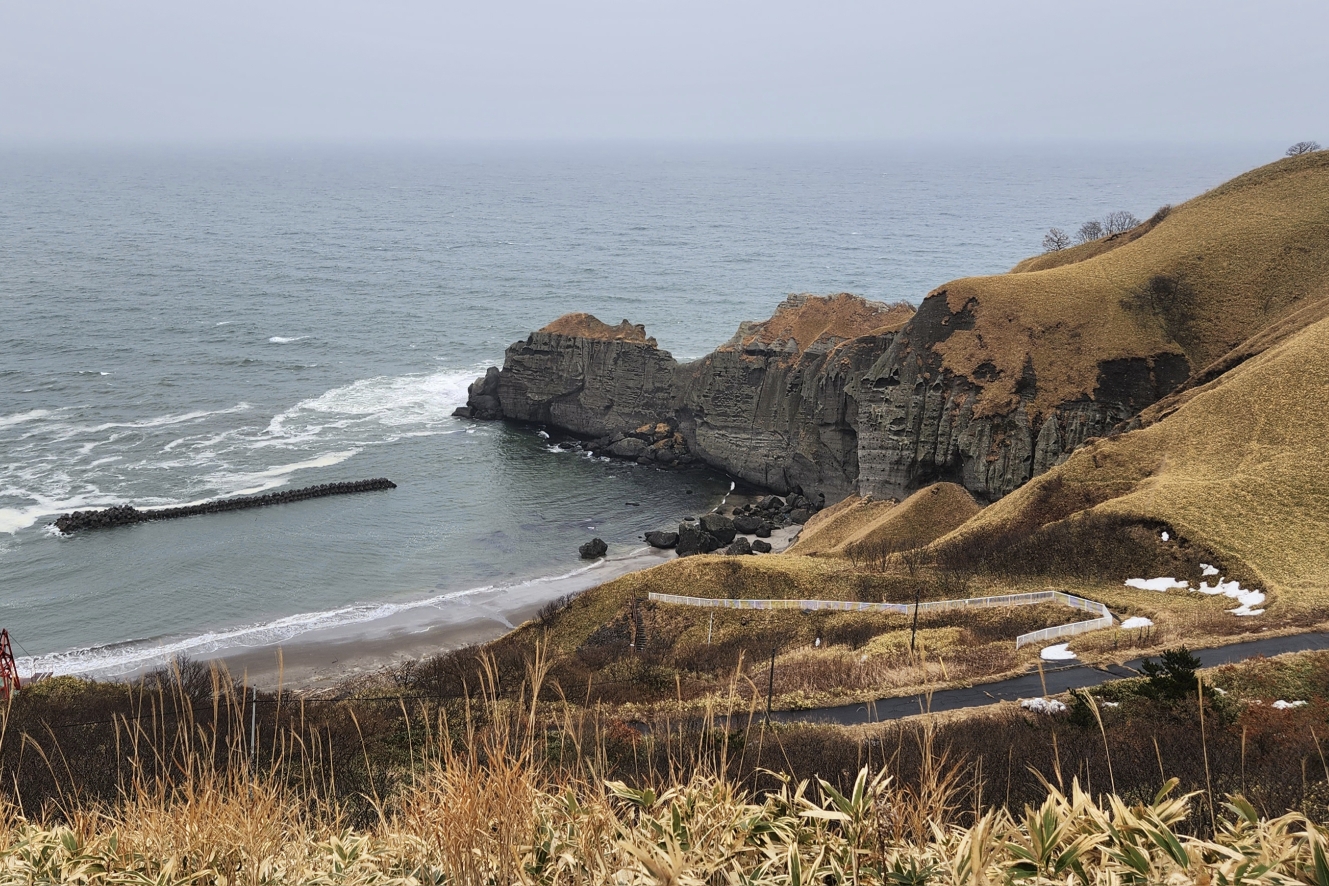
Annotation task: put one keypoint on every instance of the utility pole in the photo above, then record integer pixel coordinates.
(770, 687)
(710, 628)
(913, 631)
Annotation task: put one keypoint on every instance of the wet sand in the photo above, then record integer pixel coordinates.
(320, 659)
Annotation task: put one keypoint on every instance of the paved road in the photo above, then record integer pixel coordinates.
(1060, 679)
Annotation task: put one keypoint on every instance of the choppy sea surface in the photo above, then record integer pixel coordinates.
(182, 325)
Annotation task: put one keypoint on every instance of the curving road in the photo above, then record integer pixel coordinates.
(1060, 679)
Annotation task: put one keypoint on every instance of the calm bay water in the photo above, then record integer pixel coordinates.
(185, 325)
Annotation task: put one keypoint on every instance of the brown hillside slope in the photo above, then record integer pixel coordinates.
(922, 518)
(1085, 251)
(1238, 468)
(1216, 269)
(828, 530)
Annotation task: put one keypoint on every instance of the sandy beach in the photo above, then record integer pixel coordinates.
(320, 659)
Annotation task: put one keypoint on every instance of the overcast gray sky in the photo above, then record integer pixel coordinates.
(675, 69)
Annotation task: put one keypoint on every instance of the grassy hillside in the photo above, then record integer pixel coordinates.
(1198, 282)
(1084, 251)
(920, 519)
(1236, 466)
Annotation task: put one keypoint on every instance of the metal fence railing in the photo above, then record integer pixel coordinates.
(1103, 620)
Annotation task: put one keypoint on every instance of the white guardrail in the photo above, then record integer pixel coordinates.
(1104, 617)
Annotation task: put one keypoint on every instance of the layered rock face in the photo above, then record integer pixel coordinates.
(831, 396)
(920, 423)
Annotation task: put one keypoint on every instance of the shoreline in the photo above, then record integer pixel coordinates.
(321, 659)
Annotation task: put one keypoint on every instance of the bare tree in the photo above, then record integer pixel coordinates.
(913, 556)
(1117, 222)
(1056, 240)
(1090, 230)
(1302, 148)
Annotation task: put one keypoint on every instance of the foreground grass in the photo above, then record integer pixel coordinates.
(517, 792)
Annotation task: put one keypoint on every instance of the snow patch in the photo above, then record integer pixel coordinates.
(1043, 705)
(1164, 536)
(1156, 584)
(1138, 621)
(1059, 652)
(1247, 599)
(1281, 705)
(1208, 569)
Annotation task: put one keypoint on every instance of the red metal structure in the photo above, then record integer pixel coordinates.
(9, 682)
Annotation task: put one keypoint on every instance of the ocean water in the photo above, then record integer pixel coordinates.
(183, 325)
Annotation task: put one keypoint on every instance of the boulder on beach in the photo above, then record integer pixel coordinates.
(739, 547)
(693, 540)
(661, 538)
(761, 547)
(800, 515)
(593, 549)
(719, 526)
(747, 524)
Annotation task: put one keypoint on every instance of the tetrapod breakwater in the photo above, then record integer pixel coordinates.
(125, 515)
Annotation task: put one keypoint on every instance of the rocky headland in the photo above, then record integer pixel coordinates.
(831, 396)
(989, 383)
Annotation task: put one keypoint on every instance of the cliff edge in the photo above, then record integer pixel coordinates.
(991, 382)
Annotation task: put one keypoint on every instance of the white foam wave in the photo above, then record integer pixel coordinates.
(21, 417)
(249, 483)
(142, 424)
(14, 519)
(121, 658)
(283, 340)
(387, 400)
(216, 457)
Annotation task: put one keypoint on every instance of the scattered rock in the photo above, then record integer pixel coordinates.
(628, 447)
(739, 547)
(593, 549)
(661, 538)
(761, 547)
(719, 526)
(800, 516)
(747, 524)
(763, 531)
(692, 539)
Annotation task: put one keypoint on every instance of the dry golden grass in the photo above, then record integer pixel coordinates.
(1085, 251)
(587, 326)
(829, 529)
(1250, 252)
(919, 520)
(802, 320)
(496, 807)
(1238, 468)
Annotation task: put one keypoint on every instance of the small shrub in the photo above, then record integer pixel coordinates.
(1302, 148)
(1172, 676)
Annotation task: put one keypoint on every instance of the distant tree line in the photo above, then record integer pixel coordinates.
(1057, 239)
(1113, 223)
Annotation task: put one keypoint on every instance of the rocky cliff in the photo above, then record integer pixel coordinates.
(832, 396)
(991, 382)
